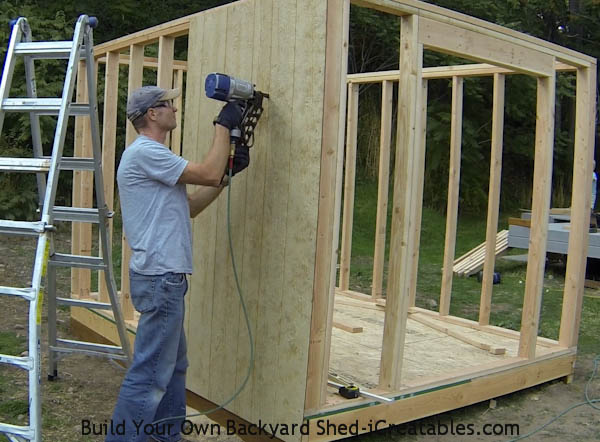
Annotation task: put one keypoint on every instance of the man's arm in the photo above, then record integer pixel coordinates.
(200, 199)
(210, 171)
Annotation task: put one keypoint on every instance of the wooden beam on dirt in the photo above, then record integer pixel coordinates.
(485, 303)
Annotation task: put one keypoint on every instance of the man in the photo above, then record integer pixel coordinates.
(156, 218)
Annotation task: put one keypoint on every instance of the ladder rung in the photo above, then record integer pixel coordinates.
(42, 106)
(79, 214)
(22, 227)
(52, 49)
(76, 163)
(26, 432)
(27, 293)
(25, 164)
(22, 362)
(83, 303)
(86, 262)
(88, 348)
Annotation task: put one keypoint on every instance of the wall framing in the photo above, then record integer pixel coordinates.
(287, 240)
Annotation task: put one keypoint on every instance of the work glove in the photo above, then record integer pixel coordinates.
(241, 159)
(231, 115)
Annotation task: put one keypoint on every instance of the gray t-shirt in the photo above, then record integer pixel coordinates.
(156, 213)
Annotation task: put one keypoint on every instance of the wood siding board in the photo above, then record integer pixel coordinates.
(240, 20)
(493, 199)
(453, 193)
(302, 211)
(198, 133)
(540, 210)
(211, 222)
(255, 195)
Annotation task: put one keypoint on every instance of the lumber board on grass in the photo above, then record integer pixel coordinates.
(277, 262)
(472, 261)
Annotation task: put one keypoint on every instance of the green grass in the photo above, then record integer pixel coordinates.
(11, 344)
(507, 298)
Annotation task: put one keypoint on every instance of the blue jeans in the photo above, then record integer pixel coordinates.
(154, 386)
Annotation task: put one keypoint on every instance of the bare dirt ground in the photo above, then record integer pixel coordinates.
(87, 387)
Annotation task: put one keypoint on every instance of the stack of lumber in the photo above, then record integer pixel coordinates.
(472, 261)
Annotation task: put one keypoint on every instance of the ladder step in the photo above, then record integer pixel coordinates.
(88, 348)
(25, 363)
(86, 262)
(43, 164)
(76, 163)
(83, 303)
(27, 293)
(42, 106)
(79, 214)
(52, 49)
(22, 227)
(25, 164)
(26, 432)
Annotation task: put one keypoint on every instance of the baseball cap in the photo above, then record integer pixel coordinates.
(145, 97)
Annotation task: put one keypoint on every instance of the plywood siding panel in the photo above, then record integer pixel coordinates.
(255, 196)
(239, 64)
(300, 241)
(279, 46)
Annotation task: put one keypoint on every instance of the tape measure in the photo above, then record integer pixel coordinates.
(349, 392)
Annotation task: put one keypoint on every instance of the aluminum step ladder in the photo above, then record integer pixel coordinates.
(47, 170)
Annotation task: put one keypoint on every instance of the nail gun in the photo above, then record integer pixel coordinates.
(224, 87)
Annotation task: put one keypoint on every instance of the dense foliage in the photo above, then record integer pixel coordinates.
(374, 39)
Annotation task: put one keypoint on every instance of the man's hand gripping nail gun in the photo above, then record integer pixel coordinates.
(240, 115)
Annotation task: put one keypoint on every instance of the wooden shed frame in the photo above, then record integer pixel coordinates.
(501, 52)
